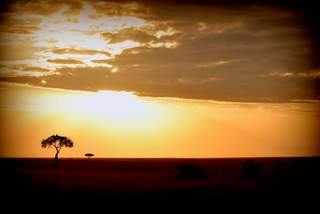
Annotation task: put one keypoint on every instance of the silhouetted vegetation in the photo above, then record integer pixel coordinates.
(191, 171)
(109, 184)
(251, 169)
(89, 155)
(56, 142)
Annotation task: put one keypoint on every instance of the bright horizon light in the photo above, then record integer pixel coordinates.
(121, 124)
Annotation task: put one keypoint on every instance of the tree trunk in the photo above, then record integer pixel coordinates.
(56, 159)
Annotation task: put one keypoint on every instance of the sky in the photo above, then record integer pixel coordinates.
(160, 78)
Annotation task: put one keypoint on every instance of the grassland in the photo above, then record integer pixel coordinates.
(152, 184)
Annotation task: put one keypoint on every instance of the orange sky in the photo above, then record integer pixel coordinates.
(239, 79)
(120, 124)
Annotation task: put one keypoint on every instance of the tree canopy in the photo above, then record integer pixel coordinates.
(57, 142)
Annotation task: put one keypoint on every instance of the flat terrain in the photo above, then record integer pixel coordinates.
(123, 183)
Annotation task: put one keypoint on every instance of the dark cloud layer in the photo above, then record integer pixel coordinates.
(226, 50)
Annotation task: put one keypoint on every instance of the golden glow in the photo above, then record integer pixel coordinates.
(116, 110)
(120, 124)
(120, 110)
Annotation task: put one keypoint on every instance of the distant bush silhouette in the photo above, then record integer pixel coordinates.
(251, 169)
(89, 155)
(57, 142)
(191, 171)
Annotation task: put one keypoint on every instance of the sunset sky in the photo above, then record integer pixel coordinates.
(160, 78)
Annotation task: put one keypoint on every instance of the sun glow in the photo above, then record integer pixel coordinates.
(119, 107)
(117, 111)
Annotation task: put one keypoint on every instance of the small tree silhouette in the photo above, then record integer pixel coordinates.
(89, 155)
(57, 142)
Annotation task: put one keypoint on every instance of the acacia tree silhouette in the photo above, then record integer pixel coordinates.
(57, 142)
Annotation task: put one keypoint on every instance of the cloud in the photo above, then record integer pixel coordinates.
(308, 74)
(100, 61)
(26, 67)
(134, 34)
(48, 7)
(249, 50)
(78, 51)
(23, 70)
(18, 29)
(65, 61)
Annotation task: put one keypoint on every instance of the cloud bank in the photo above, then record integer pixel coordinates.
(245, 51)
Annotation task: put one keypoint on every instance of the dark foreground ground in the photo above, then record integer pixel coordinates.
(151, 185)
